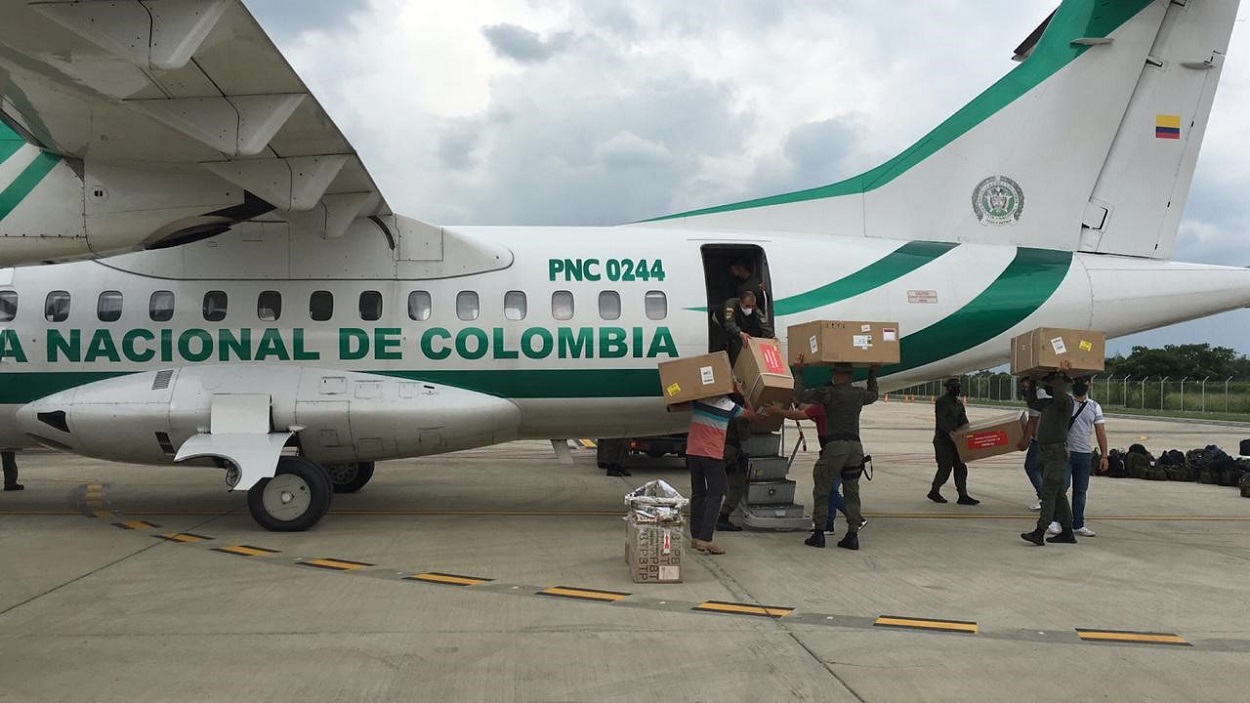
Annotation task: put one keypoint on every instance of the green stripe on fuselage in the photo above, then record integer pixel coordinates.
(26, 181)
(897, 264)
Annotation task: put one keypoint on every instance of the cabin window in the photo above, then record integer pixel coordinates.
(109, 308)
(161, 306)
(321, 305)
(370, 306)
(215, 306)
(269, 305)
(562, 305)
(8, 305)
(56, 307)
(420, 305)
(514, 305)
(467, 307)
(610, 305)
(657, 305)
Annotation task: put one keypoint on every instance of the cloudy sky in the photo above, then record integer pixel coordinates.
(630, 110)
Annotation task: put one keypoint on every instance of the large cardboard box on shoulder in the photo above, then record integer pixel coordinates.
(1040, 351)
(696, 377)
(992, 437)
(844, 342)
(765, 378)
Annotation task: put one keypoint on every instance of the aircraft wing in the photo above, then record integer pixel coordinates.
(182, 86)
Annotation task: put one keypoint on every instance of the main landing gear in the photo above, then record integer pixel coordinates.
(295, 499)
(349, 478)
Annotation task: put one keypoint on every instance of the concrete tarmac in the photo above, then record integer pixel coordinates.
(360, 608)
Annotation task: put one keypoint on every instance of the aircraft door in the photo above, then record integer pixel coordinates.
(727, 268)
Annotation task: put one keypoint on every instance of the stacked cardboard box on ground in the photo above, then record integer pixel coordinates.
(654, 533)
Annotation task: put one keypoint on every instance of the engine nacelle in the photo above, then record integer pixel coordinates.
(339, 416)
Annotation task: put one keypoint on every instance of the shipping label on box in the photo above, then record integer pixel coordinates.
(1041, 351)
(987, 438)
(696, 377)
(844, 342)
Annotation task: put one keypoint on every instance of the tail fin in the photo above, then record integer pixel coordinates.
(1089, 144)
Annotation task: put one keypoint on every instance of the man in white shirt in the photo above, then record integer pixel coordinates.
(1087, 419)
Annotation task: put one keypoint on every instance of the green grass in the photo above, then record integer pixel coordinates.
(1236, 418)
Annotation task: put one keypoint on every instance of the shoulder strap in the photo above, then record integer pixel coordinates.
(1075, 415)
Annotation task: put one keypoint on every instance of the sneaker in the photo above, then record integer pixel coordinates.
(936, 497)
(1036, 537)
(724, 525)
(850, 541)
(1054, 529)
(1036, 506)
(966, 499)
(863, 521)
(817, 539)
(1063, 538)
(1084, 532)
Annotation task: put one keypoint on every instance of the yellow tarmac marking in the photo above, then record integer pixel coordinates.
(1128, 636)
(449, 579)
(246, 550)
(926, 624)
(587, 443)
(584, 594)
(336, 564)
(767, 611)
(183, 537)
(104, 514)
(136, 525)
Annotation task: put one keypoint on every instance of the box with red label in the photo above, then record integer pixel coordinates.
(765, 378)
(993, 437)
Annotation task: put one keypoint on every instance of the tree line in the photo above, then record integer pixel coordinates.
(1176, 361)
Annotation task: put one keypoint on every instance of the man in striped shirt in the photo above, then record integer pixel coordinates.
(705, 458)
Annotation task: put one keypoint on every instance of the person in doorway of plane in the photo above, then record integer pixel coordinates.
(742, 319)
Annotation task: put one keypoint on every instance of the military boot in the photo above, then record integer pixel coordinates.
(1037, 537)
(850, 541)
(817, 539)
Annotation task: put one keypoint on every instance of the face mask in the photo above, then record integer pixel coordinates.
(748, 311)
(1050, 391)
(1080, 389)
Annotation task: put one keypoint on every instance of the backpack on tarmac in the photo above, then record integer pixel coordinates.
(1245, 486)
(1177, 473)
(1207, 474)
(1232, 476)
(1137, 464)
(1156, 473)
(1115, 464)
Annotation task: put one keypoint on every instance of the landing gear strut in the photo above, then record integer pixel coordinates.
(295, 499)
(349, 478)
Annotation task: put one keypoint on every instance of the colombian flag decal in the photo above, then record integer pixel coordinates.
(1167, 126)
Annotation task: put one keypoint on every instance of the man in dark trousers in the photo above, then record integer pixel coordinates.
(840, 448)
(1052, 452)
(950, 415)
(735, 467)
(705, 459)
(742, 319)
(10, 471)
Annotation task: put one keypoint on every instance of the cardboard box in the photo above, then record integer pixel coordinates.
(844, 342)
(695, 377)
(763, 372)
(993, 437)
(1040, 352)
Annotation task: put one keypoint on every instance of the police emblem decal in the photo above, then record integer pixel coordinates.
(998, 200)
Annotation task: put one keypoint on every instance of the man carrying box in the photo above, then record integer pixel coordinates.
(742, 319)
(840, 447)
(705, 458)
(1052, 450)
(950, 415)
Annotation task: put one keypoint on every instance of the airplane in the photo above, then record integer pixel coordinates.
(249, 302)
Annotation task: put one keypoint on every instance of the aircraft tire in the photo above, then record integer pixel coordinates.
(295, 499)
(350, 477)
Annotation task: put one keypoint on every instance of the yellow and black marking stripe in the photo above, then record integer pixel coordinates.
(767, 611)
(585, 594)
(135, 525)
(1130, 636)
(335, 564)
(246, 550)
(183, 537)
(448, 579)
(587, 443)
(926, 624)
